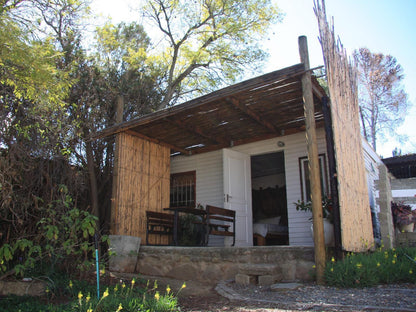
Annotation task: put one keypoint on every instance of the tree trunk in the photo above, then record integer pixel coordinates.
(93, 181)
(363, 124)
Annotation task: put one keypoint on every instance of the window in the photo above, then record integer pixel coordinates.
(182, 189)
(304, 177)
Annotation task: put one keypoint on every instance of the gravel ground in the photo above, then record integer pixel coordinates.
(311, 297)
(230, 297)
(306, 297)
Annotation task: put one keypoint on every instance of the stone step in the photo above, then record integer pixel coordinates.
(257, 269)
(256, 273)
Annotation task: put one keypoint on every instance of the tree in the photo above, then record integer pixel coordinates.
(207, 42)
(382, 99)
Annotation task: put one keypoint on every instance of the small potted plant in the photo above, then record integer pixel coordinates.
(327, 216)
(403, 216)
(326, 207)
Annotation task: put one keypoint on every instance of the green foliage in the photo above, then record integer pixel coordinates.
(191, 230)
(26, 304)
(63, 237)
(371, 269)
(127, 297)
(30, 66)
(207, 43)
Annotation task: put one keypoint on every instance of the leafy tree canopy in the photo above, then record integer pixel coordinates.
(30, 65)
(207, 42)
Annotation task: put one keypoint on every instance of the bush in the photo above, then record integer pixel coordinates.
(370, 269)
(63, 237)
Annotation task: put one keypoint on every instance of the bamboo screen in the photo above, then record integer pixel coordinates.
(142, 178)
(356, 224)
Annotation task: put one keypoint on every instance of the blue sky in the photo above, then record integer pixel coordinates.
(384, 26)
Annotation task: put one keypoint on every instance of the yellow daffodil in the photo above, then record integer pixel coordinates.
(123, 285)
(183, 286)
(116, 288)
(168, 290)
(410, 271)
(333, 259)
(332, 269)
(70, 284)
(89, 310)
(120, 307)
(157, 296)
(105, 294)
(393, 261)
(359, 265)
(314, 266)
(378, 264)
(88, 298)
(80, 295)
(133, 281)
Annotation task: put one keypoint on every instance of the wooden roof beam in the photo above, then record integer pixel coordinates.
(196, 130)
(145, 137)
(253, 115)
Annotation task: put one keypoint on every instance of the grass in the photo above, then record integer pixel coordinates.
(373, 268)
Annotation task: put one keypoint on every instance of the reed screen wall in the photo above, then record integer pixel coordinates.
(142, 182)
(355, 212)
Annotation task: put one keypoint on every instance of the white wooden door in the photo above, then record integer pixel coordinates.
(237, 194)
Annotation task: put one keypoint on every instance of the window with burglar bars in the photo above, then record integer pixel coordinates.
(182, 189)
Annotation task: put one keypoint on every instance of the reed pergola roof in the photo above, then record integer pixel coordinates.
(264, 107)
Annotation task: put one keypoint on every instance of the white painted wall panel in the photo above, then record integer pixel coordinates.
(209, 177)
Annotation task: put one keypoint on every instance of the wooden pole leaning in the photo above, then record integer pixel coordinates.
(314, 172)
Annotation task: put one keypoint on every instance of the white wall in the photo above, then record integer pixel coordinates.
(209, 177)
(372, 161)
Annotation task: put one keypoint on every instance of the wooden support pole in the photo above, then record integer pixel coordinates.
(314, 172)
(326, 110)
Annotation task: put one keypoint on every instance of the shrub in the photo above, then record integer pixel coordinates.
(63, 237)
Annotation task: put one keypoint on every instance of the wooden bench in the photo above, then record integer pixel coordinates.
(159, 223)
(220, 221)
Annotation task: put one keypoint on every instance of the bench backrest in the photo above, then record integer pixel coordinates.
(159, 223)
(159, 217)
(220, 213)
(221, 216)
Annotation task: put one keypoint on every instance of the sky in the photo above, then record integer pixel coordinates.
(383, 26)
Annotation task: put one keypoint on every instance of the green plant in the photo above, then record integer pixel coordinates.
(373, 268)
(127, 297)
(191, 231)
(124, 296)
(63, 237)
(326, 207)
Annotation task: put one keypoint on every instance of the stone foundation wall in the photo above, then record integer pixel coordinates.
(384, 200)
(213, 264)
